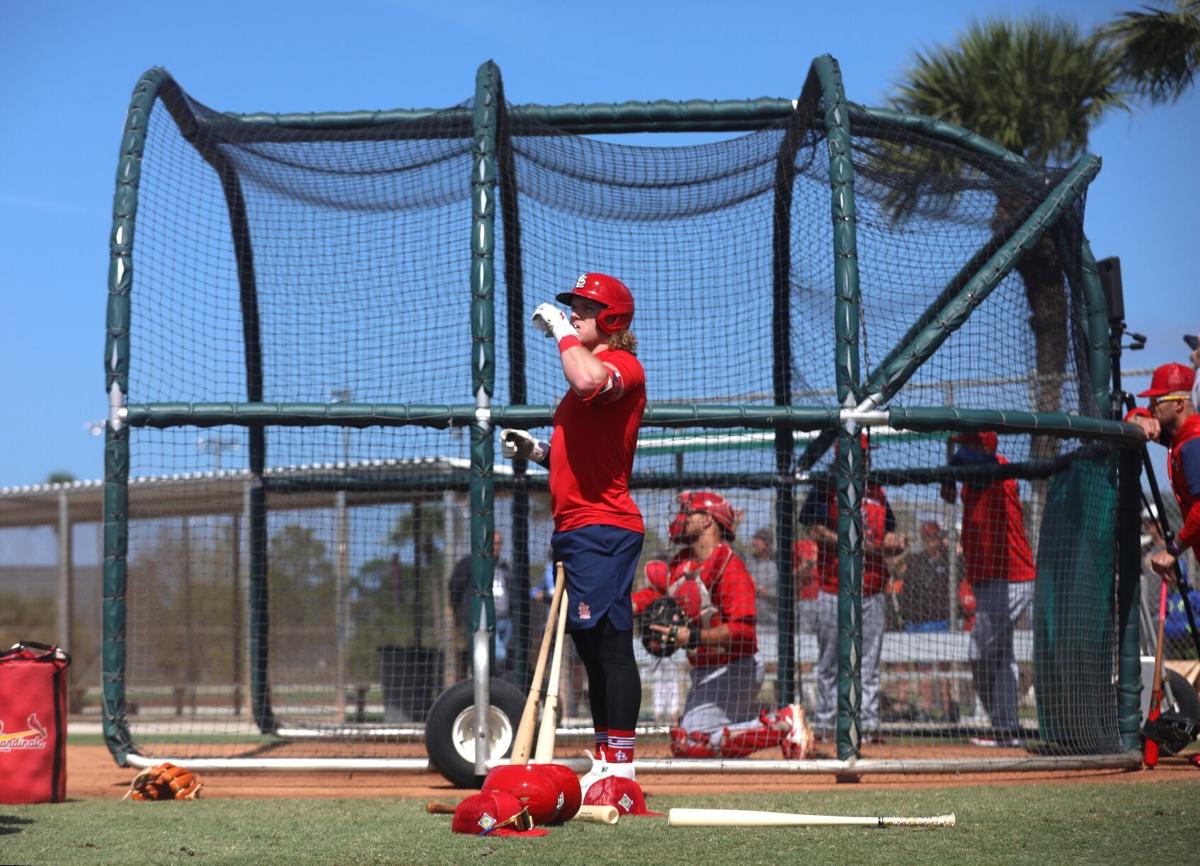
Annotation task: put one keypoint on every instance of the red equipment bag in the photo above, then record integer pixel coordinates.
(33, 724)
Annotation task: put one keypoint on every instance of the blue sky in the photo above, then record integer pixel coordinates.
(67, 70)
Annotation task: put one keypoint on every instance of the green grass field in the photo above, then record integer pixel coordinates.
(1037, 824)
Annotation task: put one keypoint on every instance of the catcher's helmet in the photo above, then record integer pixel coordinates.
(711, 503)
(530, 784)
(610, 293)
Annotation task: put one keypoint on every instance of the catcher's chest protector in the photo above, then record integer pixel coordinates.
(33, 724)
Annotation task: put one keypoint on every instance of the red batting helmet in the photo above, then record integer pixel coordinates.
(531, 785)
(1168, 379)
(568, 783)
(610, 293)
(711, 503)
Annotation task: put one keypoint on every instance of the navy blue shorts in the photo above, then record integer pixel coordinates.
(600, 562)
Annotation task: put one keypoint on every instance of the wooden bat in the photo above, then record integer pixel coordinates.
(749, 818)
(1149, 746)
(528, 724)
(544, 754)
(598, 814)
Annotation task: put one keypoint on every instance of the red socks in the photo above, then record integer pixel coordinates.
(620, 746)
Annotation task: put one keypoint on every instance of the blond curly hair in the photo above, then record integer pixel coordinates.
(623, 340)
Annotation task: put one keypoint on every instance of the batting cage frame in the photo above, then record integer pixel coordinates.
(811, 434)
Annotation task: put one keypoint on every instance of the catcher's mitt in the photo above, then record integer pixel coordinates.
(164, 782)
(662, 611)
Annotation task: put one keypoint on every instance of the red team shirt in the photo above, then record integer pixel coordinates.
(993, 533)
(589, 480)
(878, 520)
(731, 591)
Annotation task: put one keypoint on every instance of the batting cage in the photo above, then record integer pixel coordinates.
(877, 354)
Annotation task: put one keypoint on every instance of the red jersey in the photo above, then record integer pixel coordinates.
(719, 591)
(805, 555)
(591, 450)
(993, 532)
(878, 521)
(1188, 437)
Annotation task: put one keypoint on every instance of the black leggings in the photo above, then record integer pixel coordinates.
(614, 684)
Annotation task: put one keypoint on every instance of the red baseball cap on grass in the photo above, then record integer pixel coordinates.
(494, 813)
(1168, 379)
(625, 794)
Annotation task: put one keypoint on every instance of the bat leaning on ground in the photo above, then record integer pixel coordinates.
(1150, 747)
(750, 818)
(599, 814)
(523, 741)
(544, 750)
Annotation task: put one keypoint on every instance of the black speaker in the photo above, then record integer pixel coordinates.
(1110, 278)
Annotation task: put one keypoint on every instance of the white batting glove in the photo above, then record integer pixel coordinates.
(553, 322)
(518, 443)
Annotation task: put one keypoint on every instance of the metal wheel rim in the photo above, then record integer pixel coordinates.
(462, 733)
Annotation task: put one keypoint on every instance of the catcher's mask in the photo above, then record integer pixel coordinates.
(711, 503)
(662, 611)
(610, 293)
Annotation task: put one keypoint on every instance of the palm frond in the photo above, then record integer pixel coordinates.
(1159, 49)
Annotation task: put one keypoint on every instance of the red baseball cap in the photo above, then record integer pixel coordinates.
(985, 439)
(625, 794)
(1168, 379)
(494, 813)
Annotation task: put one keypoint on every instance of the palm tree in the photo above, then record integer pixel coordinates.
(1037, 86)
(1159, 49)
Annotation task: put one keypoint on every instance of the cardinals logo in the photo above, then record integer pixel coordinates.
(34, 737)
(585, 612)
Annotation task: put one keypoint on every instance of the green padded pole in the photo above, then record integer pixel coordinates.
(483, 341)
(457, 415)
(1129, 584)
(889, 379)
(116, 439)
(850, 468)
(514, 282)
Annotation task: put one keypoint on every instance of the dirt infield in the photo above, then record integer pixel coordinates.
(91, 773)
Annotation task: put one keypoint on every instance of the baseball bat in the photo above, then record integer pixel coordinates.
(528, 724)
(544, 754)
(598, 814)
(1149, 746)
(750, 818)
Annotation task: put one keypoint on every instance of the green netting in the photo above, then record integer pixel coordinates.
(1073, 606)
(312, 311)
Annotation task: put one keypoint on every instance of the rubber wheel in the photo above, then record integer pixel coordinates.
(450, 729)
(1185, 700)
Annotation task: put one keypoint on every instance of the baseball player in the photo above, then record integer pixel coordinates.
(598, 530)
(1172, 421)
(820, 514)
(716, 592)
(998, 563)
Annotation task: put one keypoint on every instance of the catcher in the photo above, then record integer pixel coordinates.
(164, 781)
(703, 601)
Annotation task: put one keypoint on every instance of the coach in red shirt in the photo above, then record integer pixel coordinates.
(999, 566)
(598, 530)
(1172, 421)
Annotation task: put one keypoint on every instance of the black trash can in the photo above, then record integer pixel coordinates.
(411, 678)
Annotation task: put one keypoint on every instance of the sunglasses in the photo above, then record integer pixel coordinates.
(521, 821)
(1154, 401)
